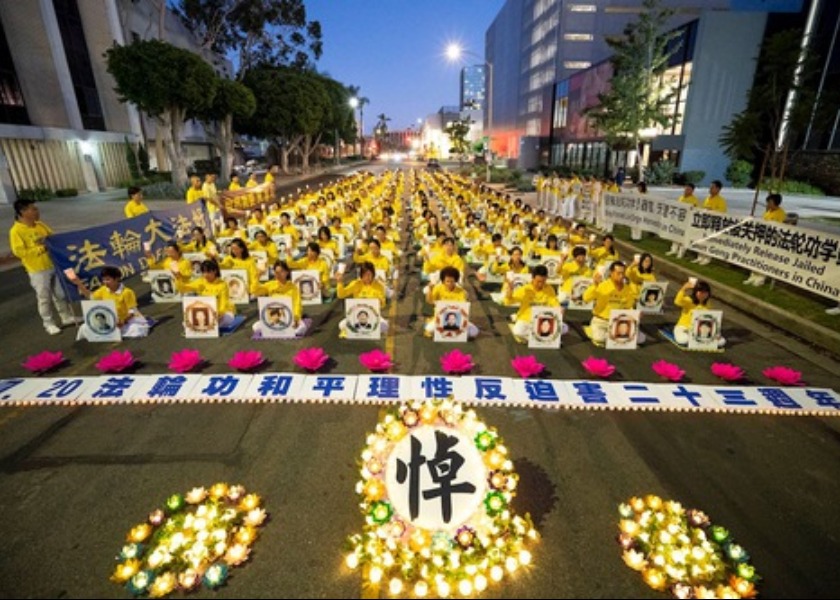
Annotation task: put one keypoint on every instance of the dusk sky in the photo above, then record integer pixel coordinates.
(395, 51)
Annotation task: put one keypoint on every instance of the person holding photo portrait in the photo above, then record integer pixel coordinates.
(282, 286)
(536, 293)
(691, 297)
(611, 294)
(366, 286)
(172, 261)
(641, 269)
(132, 324)
(447, 290)
(212, 284)
(313, 262)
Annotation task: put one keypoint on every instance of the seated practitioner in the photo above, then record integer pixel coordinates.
(536, 293)
(282, 286)
(447, 257)
(313, 262)
(172, 261)
(212, 284)
(240, 258)
(690, 298)
(447, 290)
(606, 253)
(612, 294)
(200, 243)
(366, 286)
(642, 269)
(132, 324)
(577, 267)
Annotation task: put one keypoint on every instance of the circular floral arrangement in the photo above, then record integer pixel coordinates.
(463, 558)
(195, 539)
(680, 550)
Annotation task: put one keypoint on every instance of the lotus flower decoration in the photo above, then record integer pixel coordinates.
(376, 361)
(185, 361)
(247, 360)
(43, 362)
(527, 366)
(727, 371)
(783, 375)
(311, 359)
(599, 367)
(456, 362)
(116, 362)
(667, 370)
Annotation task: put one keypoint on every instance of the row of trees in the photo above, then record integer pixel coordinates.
(277, 94)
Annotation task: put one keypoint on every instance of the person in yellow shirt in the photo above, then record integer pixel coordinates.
(312, 261)
(776, 214)
(240, 258)
(714, 202)
(172, 261)
(234, 184)
(447, 290)
(282, 286)
(263, 243)
(195, 193)
(272, 173)
(131, 323)
(211, 194)
(641, 270)
(135, 207)
(605, 254)
(200, 243)
(212, 284)
(252, 180)
(366, 286)
(447, 257)
(537, 293)
(692, 296)
(689, 198)
(26, 239)
(613, 294)
(577, 267)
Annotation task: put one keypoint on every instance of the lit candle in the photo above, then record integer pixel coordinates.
(237, 554)
(196, 495)
(139, 533)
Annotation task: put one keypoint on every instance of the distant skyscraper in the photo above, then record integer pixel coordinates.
(473, 87)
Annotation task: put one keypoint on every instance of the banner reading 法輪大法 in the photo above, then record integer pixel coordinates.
(806, 258)
(121, 244)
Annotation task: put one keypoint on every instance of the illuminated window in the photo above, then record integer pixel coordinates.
(577, 37)
(583, 8)
(532, 127)
(576, 64)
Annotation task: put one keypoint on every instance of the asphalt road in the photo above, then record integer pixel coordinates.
(75, 479)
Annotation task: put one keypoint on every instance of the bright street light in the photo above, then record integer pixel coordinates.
(454, 53)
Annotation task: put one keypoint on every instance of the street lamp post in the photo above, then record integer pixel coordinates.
(360, 104)
(454, 52)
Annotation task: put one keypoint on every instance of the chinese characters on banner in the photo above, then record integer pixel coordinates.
(499, 391)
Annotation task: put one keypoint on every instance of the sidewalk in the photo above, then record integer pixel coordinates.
(100, 208)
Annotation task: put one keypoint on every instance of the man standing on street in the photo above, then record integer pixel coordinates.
(26, 238)
(714, 202)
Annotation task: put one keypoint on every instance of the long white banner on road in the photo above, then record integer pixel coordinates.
(803, 257)
(384, 389)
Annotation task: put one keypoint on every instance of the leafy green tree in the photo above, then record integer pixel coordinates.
(639, 98)
(290, 106)
(232, 101)
(458, 132)
(753, 135)
(260, 32)
(338, 124)
(166, 83)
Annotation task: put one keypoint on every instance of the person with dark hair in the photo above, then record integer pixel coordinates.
(641, 269)
(536, 293)
(689, 198)
(135, 207)
(577, 267)
(366, 286)
(172, 261)
(447, 290)
(313, 262)
(606, 253)
(714, 202)
(200, 243)
(132, 324)
(27, 240)
(774, 213)
(240, 258)
(212, 284)
(692, 296)
(614, 293)
(282, 286)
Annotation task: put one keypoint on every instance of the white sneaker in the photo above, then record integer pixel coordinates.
(71, 321)
(749, 280)
(52, 329)
(833, 311)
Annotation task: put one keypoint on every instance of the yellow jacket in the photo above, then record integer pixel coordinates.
(27, 244)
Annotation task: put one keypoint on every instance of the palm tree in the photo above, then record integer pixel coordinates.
(381, 130)
(359, 103)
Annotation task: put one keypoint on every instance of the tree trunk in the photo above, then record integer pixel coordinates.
(160, 146)
(174, 121)
(225, 145)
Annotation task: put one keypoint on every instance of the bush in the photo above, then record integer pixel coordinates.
(791, 186)
(525, 185)
(661, 172)
(694, 177)
(163, 190)
(36, 194)
(67, 193)
(739, 173)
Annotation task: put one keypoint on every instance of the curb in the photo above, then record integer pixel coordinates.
(807, 331)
